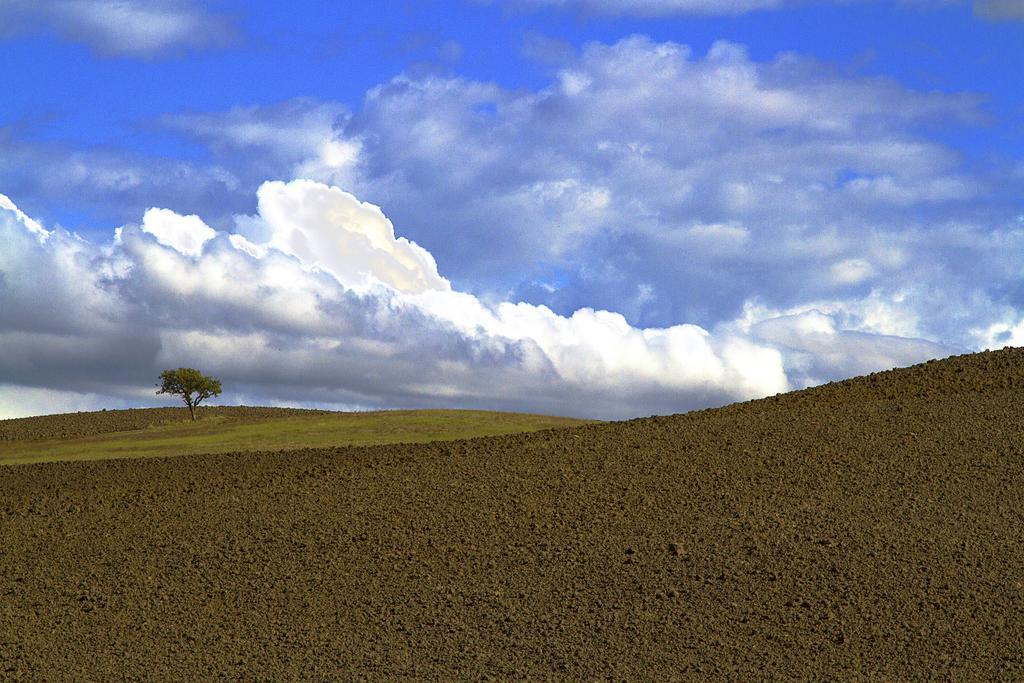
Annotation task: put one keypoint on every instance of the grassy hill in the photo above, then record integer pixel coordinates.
(866, 530)
(168, 431)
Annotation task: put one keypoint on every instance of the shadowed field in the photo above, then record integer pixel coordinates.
(168, 431)
(869, 529)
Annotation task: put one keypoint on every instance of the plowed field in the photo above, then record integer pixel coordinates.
(870, 529)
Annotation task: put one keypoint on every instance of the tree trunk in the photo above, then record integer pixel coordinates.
(192, 411)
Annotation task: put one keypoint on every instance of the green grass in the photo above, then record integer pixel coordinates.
(221, 435)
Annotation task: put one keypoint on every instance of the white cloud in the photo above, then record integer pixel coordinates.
(187, 234)
(817, 348)
(668, 186)
(326, 227)
(141, 28)
(887, 190)
(996, 335)
(279, 324)
(715, 238)
(879, 313)
(290, 131)
(31, 224)
(644, 164)
(851, 271)
(301, 137)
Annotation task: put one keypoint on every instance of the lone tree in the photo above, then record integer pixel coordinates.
(192, 385)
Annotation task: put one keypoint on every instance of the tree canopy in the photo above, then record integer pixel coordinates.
(192, 385)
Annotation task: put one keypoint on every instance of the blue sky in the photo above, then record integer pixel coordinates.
(593, 207)
(86, 94)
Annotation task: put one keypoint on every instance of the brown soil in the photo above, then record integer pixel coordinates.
(866, 529)
(72, 425)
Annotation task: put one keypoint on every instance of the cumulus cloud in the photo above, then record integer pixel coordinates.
(142, 28)
(60, 328)
(630, 148)
(187, 234)
(84, 323)
(30, 224)
(326, 227)
(643, 164)
(670, 186)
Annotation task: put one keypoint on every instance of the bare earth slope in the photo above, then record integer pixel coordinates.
(866, 529)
